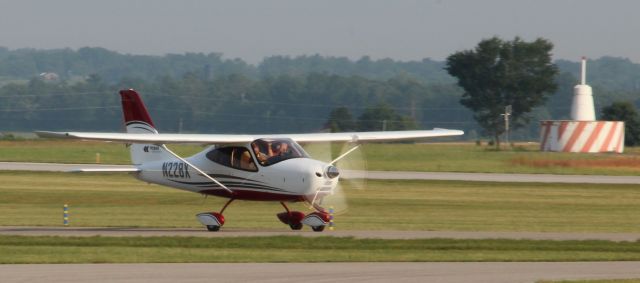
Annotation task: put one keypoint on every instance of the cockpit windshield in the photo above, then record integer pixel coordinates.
(272, 151)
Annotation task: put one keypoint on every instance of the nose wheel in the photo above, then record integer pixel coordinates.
(296, 219)
(317, 220)
(213, 228)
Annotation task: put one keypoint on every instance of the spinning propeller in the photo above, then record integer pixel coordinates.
(347, 167)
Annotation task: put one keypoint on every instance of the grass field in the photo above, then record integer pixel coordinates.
(28, 198)
(439, 157)
(119, 200)
(300, 249)
(72, 151)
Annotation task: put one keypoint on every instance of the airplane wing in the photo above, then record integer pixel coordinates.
(231, 138)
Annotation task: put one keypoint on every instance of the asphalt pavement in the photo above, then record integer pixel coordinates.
(378, 234)
(397, 272)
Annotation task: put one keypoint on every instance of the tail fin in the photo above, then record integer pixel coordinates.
(135, 112)
(138, 121)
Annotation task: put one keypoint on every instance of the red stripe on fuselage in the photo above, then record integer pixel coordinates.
(253, 195)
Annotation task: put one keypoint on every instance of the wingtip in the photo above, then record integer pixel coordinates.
(53, 135)
(46, 134)
(453, 132)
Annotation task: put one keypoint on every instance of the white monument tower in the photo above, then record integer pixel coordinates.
(582, 133)
(582, 107)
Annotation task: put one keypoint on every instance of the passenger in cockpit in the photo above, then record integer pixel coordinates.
(268, 152)
(246, 162)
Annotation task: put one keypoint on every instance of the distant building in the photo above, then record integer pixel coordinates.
(49, 77)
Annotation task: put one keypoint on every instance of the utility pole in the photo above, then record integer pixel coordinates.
(507, 113)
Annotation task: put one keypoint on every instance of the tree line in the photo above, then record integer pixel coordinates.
(196, 92)
(112, 66)
(232, 104)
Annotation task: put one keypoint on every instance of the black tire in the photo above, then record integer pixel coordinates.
(213, 228)
(296, 226)
(317, 228)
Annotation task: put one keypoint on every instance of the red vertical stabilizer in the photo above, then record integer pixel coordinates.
(133, 108)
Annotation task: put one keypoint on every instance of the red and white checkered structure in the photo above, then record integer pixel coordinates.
(582, 136)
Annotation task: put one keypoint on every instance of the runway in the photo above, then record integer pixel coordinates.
(494, 177)
(201, 232)
(382, 175)
(441, 272)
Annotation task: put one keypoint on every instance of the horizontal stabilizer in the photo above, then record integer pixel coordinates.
(104, 170)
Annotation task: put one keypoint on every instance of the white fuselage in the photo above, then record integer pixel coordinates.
(295, 179)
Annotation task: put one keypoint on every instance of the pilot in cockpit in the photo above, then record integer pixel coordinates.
(279, 148)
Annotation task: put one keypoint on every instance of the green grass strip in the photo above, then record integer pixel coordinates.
(119, 200)
(20, 249)
(439, 157)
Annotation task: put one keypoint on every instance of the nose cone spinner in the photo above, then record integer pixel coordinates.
(332, 172)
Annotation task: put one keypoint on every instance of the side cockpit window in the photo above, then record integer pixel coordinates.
(233, 156)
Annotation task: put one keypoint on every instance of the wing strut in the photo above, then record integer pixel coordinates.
(197, 169)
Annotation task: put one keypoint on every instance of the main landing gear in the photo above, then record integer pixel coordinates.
(291, 218)
(213, 220)
(296, 219)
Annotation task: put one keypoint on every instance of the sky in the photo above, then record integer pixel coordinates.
(250, 30)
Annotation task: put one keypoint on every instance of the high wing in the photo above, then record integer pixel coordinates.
(230, 138)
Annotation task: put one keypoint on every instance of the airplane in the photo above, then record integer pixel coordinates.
(238, 167)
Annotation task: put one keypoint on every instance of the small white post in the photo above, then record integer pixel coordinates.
(583, 71)
(507, 113)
